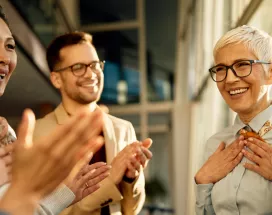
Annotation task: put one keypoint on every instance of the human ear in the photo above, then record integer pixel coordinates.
(56, 79)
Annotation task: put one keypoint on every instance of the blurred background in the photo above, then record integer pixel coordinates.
(157, 55)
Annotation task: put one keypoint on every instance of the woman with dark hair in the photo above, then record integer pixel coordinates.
(75, 188)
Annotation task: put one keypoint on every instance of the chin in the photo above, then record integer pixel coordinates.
(242, 110)
(1, 92)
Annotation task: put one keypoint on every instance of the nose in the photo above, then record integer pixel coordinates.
(231, 77)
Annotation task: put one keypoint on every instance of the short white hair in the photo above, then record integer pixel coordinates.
(256, 40)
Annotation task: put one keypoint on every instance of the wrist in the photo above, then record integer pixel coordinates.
(200, 179)
(19, 201)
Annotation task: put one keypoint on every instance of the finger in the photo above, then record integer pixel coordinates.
(261, 144)
(147, 153)
(81, 135)
(253, 167)
(83, 179)
(99, 171)
(235, 162)
(252, 157)
(6, 150)
(9, 148)
(9, 169)
(93, 145)
(97, 179)
(134, 164)
(131, 173)
(147, 143)
(70, 143)
(84, 162)
(234, 149)
(65, 136)
(220, 148)
(95, 166)
(141, 158)
(26, 128)
(7, 159)
(256, 149)
(90, 190)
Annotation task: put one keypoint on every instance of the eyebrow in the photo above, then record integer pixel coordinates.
(237, 60)
(7, 39)
(11, 38)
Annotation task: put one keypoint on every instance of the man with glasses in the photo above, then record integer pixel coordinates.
(77, 73)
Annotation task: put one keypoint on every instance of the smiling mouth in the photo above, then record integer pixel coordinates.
(238, 91)
(90, 84)
(2, 76)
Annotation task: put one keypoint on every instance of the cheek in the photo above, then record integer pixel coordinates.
(13, 63)
(220, 87)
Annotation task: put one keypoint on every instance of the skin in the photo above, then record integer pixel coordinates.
(255, 100)
(8, 62)
(8, 56)
(77, 94)
(50, 168)
(247, 105)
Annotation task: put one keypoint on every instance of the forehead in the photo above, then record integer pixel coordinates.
(83, 52)
(232, 52)
(5, 32)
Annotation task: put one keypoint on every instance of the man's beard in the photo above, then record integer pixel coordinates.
(81, 98)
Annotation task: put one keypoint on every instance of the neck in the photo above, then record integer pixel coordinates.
(72, 107)
(247, 117)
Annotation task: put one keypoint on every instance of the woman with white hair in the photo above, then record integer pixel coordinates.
(237, 173)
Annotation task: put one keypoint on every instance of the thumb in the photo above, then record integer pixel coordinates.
(147, 143)
(221, 147)
(26, 128)
(86, 158)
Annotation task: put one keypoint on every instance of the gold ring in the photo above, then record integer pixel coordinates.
(86, 184)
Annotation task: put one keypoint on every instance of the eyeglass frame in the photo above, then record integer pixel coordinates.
(232, 69)
(86, 66)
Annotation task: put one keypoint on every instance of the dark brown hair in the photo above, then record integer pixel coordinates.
(53, 50)
(3, 15)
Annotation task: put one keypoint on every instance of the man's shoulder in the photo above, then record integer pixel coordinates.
(44, 125)
(49, 118)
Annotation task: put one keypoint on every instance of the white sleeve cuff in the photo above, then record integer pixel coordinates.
(58, 200)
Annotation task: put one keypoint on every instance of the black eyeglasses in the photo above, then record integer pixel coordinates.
(240, 69)
(79, 69)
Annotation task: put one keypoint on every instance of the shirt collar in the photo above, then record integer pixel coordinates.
(256, 123)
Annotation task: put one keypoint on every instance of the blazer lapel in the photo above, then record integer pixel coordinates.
(110, 139)
(108, 131)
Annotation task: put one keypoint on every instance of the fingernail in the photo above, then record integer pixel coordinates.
(244, 151)
(250, 139)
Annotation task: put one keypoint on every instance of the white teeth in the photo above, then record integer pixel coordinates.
(90, 85)
(234, 92)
